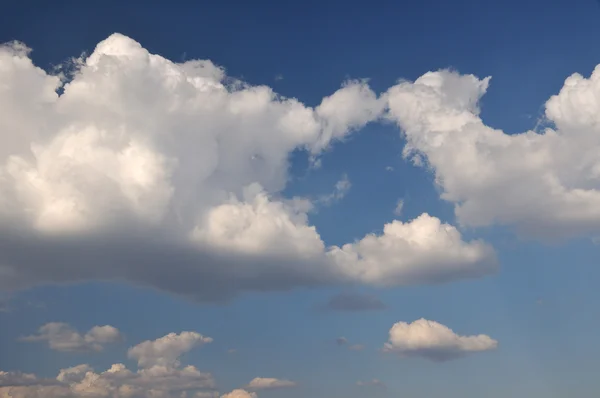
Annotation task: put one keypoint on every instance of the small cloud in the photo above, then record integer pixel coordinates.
(278, 77)
(539, 302)
(354, 302)
(62, 337)
(399, 207)
(434, 341)
(341, 341)
(389, 168)
(165, 351)
(340, 190)
(232, 351)
(269, 383)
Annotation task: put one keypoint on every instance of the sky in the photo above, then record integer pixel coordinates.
(312, 199)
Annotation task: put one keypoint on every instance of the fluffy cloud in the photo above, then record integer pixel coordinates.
(354, 302)
(239, 393)
(62, 337)
(420, 251)
(170, 175)
(160, 375)
(166, 350)
(545, 185)
(269, 383)
(434, 341)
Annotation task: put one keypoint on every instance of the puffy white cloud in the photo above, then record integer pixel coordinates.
(434, 341)
(170, 175)
(269, 383)
(160, 375)
(62, 337)
(166, 350)
(422, 250)
(239, 393)
(545, 185)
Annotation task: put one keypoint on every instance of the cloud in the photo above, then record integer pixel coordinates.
(434, 341)
(341, 341)
(354, 302)
(62, 337)
(269, 383)
(238, 393)
(546, 186)
(160, 374)
(340, 191)
(166, 350)
(424, 250)
(171, 175)
(374, 383)
(399, 207)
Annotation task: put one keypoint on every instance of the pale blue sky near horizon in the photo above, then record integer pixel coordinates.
(542, 305)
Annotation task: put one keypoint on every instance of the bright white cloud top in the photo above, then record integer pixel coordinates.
(546, 185)
(434, 341)
(61, 337)
(170, 175)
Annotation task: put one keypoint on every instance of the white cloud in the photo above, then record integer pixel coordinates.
(421, 250)
(269, 383)
(545, 185)
(160, 375)
(340, 190)
(399, 207)
(61, 337)
(434, 341)
(239, 393)
(166, 350)
(170, 175)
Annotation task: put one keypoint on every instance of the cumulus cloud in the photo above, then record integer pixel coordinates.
(62, 337)
(166, 350)
(434, 341)
(171, 175)
(424, 250)
(544, 185)
(160, 374)
(239, 393)
(354, 302)
(269, 383)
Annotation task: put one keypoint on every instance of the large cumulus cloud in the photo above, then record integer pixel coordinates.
(170, 175)
(545, 185)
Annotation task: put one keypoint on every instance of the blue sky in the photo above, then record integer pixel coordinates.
(540, 305)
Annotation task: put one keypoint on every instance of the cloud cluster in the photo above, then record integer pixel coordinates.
(159, 375)
(170, 175)
(61, 337)
(545, 185)
(434, 341)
